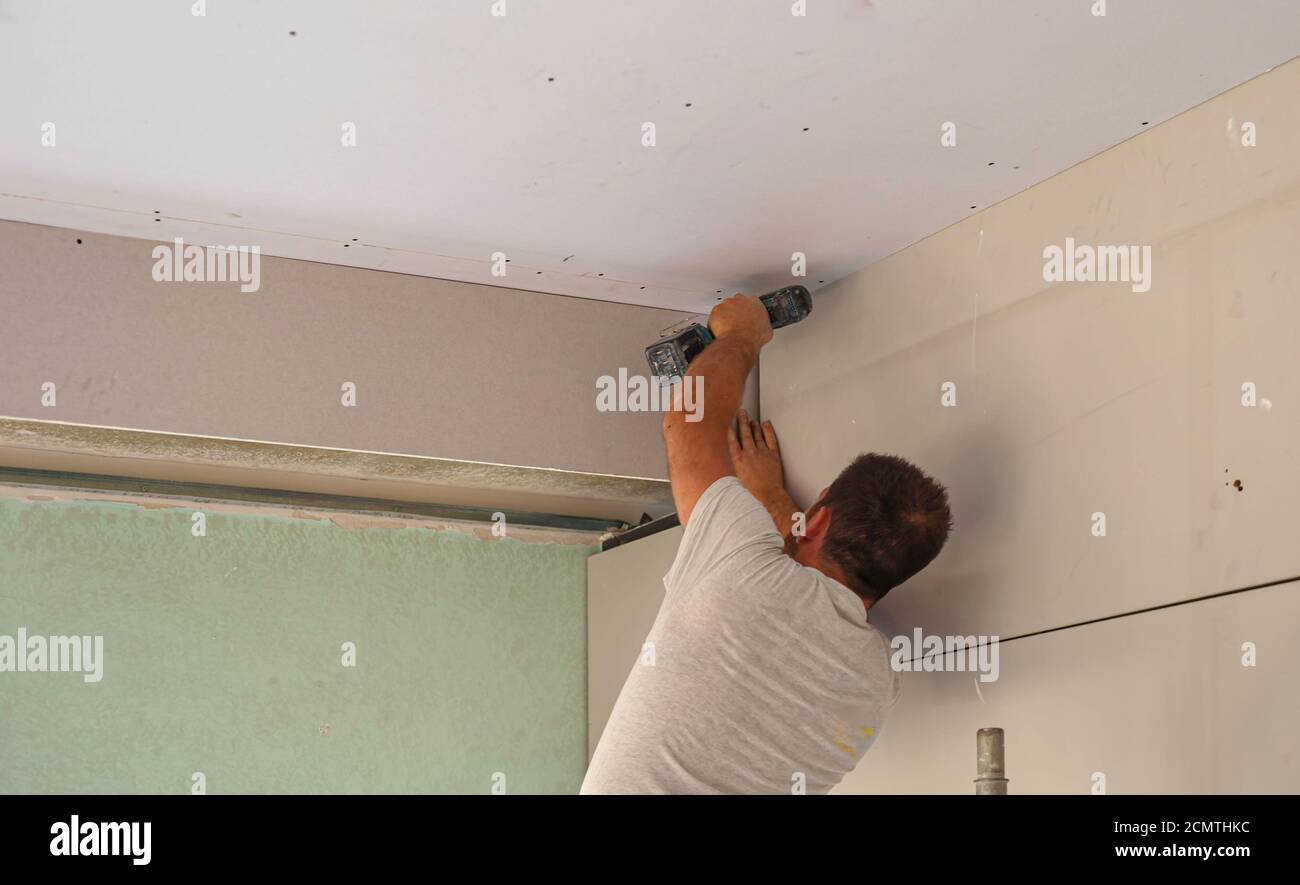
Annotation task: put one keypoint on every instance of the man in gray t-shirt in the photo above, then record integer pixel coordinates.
(761, 673)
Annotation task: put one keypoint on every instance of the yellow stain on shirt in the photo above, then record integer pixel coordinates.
(841, 738)
(868, 730)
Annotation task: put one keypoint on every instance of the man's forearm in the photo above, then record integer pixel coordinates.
(724, 365)
(706, 400)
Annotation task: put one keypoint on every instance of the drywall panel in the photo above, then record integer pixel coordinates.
(441, 369)
(624, 591)
(222, 654)
(1159, 702)
(424, 137)
(1080, 398)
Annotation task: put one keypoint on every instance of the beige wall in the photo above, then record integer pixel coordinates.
(1077, 398)
(443, 369)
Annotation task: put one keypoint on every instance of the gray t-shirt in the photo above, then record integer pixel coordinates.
(760, 675)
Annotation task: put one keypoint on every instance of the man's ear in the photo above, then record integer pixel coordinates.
(819, 521)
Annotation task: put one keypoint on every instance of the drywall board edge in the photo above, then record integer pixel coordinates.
(624, 591)
(1193, 698)
(42, 445)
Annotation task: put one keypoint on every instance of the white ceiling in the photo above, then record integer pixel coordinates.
(228, 127)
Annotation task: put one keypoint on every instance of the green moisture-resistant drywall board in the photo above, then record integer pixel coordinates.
(223, 654)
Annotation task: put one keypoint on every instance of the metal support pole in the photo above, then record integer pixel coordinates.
(990, 763)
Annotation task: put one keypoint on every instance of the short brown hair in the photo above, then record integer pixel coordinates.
(888, 521)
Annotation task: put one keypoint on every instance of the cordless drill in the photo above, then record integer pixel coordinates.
(670, 356)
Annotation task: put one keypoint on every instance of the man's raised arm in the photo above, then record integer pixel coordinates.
(698, 453)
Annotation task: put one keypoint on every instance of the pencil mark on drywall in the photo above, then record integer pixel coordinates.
(1095, 409)
(1074, 568)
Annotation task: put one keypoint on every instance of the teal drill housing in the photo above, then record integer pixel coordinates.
(669, 357)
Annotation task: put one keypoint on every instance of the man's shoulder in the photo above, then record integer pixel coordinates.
(728, 531)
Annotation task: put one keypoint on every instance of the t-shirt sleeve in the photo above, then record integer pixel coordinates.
(728, 528)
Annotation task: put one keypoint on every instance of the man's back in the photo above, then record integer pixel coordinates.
(761, 675)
